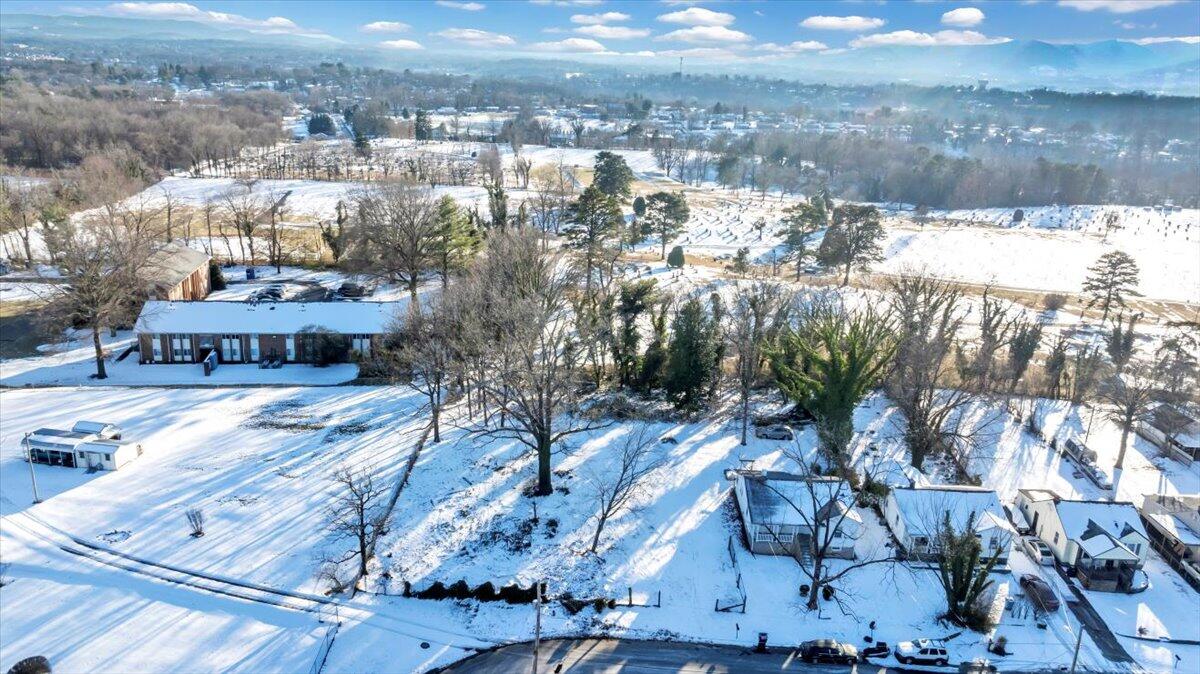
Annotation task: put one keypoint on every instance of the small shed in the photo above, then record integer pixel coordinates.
(106, 454)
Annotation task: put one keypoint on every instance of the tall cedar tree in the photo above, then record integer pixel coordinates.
(422, 128)
(828, 364)
(852, 240)
(457, 240)
(612, 175)
(800, 224)
(963, 572)
(1113, 277)
(666, 213)
(635, 298)
(691, 357)
(594, 219)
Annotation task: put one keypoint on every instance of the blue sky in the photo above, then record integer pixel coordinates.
(617, 28)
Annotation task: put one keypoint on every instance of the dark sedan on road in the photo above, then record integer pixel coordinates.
(828, 651)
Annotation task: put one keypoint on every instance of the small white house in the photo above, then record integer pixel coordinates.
(783, 513)
(916, 515)
(89, 444)
(1103, 541)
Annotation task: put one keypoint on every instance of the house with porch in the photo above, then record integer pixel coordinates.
(1173, 523)
(1103, 542)
(916, 516)
(786, 514)
(257, 332)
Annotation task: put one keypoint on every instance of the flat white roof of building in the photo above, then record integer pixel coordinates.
(283, 318)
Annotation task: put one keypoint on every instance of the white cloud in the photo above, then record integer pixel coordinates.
(793, 48)
(613, 32)
(464, 6)
(385, 27)
(855, 23)
(603, 17)
(407, 45)
(706, 35)
(1187, 39)
(963, 17)
(476, 37)
(910, 38)
(697, 16)
(577, 45)
(1115, 6)
(275, 25)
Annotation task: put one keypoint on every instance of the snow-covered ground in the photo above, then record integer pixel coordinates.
(258, 461)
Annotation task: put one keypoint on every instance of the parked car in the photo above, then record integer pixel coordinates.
(879, 649)
(922, 652)
(828, 651)
(1040, 592)
(1038, 551)
(352, 289)
(1140, 582)
(774, 432)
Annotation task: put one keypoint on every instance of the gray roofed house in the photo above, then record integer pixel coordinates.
(780, 510)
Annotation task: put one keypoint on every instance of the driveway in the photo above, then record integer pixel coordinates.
(613, 656)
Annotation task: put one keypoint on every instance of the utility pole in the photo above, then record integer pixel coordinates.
(32, 476)
(537, 625)
(1078, 641)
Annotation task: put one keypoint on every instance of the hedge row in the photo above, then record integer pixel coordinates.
(486, 591)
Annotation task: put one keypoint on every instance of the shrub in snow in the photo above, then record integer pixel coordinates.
(435, 591)
(675, 259)
(1054, 301)
(1018, 215)
(486, 591)
(36, 664)
(216, 279)
(599, 603)
(459, 590)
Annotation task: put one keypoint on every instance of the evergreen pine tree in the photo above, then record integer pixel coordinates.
(1109, 280)
(691, 357)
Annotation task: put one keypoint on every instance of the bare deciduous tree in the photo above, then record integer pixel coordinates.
(106, 262)
(396, 233)
(615, 492)
(521, 290)
(357, 512)
(928, 315)
(758, 312)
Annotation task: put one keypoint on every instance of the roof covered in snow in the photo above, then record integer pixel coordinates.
(1176, 527)
(1116, 518)
(285, 318)
(923, 509)
(786, 499)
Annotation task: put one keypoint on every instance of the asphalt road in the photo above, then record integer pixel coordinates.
(612, 656)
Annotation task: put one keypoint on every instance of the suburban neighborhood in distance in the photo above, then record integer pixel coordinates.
(600, 336)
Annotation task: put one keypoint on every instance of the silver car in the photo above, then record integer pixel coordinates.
(1037, 550)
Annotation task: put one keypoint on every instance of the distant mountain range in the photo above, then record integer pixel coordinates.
(1110, 65)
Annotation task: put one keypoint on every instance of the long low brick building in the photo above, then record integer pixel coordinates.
(253, 332)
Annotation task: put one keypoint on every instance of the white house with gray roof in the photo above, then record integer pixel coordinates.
(781, 511)
(1103, 541)
(916, 516)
